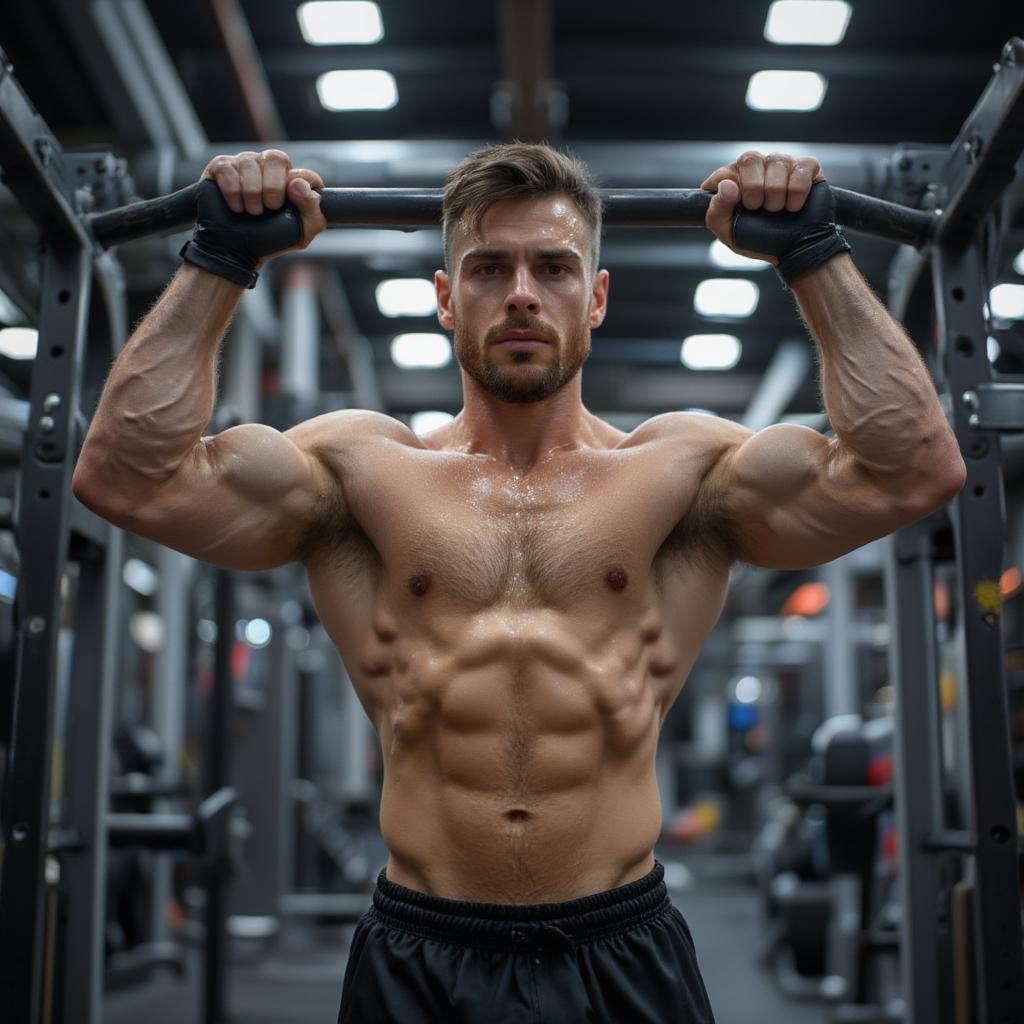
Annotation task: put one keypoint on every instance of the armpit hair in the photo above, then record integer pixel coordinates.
(706, 535)
(331, 526)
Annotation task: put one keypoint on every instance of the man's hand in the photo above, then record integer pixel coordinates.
(774, 182)
(254, 182)
(255, 207)
(775, 208)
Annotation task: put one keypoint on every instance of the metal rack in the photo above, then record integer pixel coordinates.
(44, 919)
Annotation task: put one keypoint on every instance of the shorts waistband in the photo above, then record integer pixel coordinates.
(525, 928)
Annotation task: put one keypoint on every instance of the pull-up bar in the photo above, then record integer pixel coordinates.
(410, 209)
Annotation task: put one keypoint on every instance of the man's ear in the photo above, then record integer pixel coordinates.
(443, 288)
(599, 298)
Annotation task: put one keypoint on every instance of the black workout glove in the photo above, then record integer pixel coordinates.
(799, 241)
(231, 244)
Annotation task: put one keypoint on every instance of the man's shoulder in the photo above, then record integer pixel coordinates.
(336, 432)
(689, 434)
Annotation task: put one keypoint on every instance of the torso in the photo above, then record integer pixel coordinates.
(516, 641)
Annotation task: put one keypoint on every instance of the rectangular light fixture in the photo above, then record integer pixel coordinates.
(1005, 301)
(421, 350)
(406, 296)
(1018, 263)
(722, 256)
(19, 342)
(726, 296)
(710, 351)
(807, 22)
(357, 90)
(140, 576)
(334, 22)
(429, 419)
(786, 90)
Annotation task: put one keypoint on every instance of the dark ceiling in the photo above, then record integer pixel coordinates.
(651, 93)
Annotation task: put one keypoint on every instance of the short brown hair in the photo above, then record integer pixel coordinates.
(517, 170)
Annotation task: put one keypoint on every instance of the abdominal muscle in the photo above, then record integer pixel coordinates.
(519, 760)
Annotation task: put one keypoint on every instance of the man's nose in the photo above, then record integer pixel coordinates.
(522, 296)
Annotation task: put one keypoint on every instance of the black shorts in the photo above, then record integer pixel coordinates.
(619, 956)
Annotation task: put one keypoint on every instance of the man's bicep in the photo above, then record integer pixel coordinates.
(794, 499)
(243, 499)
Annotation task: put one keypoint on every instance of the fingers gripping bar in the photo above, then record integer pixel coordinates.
(410, 209)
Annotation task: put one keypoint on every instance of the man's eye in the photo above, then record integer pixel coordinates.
(556, 269)
(488, 269)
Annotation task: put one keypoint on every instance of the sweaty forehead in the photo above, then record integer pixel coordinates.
(532, 223)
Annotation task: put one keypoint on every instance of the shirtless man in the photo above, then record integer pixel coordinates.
(519, 595)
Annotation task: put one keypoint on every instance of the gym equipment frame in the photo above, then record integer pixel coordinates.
(44, 919)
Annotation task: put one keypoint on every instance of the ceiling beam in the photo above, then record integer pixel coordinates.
(247, 70)
(370, 163)
(522, 103)
(610, 61)
(119, 44)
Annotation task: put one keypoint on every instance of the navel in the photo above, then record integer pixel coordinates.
(616, 578)
(419, 583)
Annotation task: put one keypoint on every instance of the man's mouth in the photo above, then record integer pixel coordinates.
(521, 341)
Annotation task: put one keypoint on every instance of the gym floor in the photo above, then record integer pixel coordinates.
(300, 983)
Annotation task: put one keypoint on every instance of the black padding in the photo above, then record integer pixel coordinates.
(231, 244)
(799, 241)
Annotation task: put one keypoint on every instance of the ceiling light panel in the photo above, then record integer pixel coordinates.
(371, 89)
(710, 351)
(19, 342)
(406, 296)
(807, 22)
(726, 297)
(786, 90)
(722, 256)
(331, 24)
(421, 351)
(429, 419)
(1006, 301)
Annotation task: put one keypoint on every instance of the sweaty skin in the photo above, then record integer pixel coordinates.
(520, 595)
(517, 640)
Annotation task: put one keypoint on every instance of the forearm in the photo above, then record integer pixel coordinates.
(877, 391)
(160, 393)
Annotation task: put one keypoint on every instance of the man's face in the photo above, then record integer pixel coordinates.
(522, 297)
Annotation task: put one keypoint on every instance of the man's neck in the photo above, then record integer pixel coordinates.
(522, 435)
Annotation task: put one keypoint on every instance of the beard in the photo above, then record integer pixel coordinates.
(508, 383)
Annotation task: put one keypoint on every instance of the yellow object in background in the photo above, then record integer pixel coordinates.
(947, 691)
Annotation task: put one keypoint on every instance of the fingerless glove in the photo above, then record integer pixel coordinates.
(799, 241)
(231, 244)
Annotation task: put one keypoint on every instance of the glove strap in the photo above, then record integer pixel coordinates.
(816, 248)
(220, 265)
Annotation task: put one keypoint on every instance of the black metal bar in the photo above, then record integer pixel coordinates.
(42, 536)
(33, 161)
(951, 840)
(985, 152)
(925, 938)
(409, 209)
(87, 746)
(979, 525)
(216, 770)
(153, 831)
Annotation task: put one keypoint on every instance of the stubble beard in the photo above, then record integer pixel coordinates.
(503, 382)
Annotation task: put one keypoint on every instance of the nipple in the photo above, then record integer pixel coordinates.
(617, 578)
(419, 583)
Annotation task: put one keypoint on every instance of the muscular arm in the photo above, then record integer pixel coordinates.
(793, 499)
(243, 499)
(787, 497)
